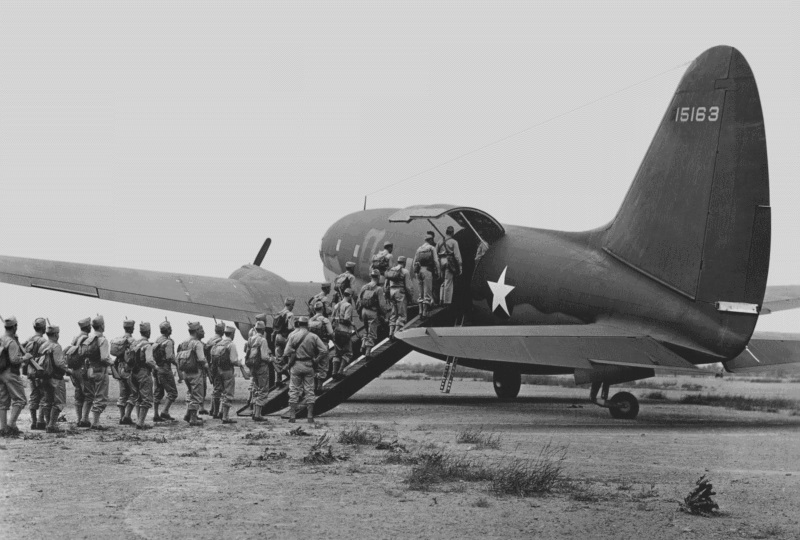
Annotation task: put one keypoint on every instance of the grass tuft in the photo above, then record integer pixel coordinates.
(656, 395)
(742, 403)
(527, 477)
(359, 435)
(479, 438)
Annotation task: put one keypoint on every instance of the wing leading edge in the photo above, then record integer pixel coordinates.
(223, 298)
(780, 298)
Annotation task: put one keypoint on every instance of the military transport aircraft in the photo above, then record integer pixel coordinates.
(676, 279)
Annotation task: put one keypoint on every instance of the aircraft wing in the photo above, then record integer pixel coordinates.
(567, 346)
(780, 297)
(227, 299)
(765, 350)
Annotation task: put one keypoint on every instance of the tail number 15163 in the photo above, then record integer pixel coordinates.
(697, 114)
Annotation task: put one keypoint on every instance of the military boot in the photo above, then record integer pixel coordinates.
(292, 412)
(310, 408)
(96, 422)
(165, 413)
(218, 410)
(257, 414)
(3, 422)
(78, 414)
(225, 411)
(422, 313)
(337, 363)
(214, 407)
(156, 417)
(126, 420)
(52, 426)
(43, 418)
(84, 422)
(121, 412)
(34, 423)
(141, 417)
(193, 419)
(12, 420)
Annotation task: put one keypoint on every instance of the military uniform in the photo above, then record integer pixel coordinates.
(326, 297)
(141, 374)
(282, 326)
(164, 380)
(426, 266)
(97, 373)
(217, 383)
(192, 361)
(321, 325)
(399, 289)
(125, 401)
(38, 385)
(383, 260)
(372, 305)
(450, 263)
(12, 392)
(56, 389)
(343, 334)
(258, 361)
(303, 350)
(345, 280)
(79, 378)
(226, 378)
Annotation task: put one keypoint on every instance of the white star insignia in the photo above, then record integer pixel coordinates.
(499, 292)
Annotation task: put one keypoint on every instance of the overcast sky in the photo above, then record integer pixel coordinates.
(176, 136)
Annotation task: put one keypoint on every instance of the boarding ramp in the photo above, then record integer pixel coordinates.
(358, 373)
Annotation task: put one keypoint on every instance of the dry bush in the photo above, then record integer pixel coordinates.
(359, 435)
(656, 395)
(479, 438)
(527, 477)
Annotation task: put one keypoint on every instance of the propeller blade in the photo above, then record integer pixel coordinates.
(262, 252)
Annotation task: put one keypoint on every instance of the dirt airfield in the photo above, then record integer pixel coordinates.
(619, 479)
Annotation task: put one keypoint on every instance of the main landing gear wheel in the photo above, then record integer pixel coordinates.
(506, 384)
(624, 405)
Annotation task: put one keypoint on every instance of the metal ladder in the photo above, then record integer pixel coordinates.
(450, 366)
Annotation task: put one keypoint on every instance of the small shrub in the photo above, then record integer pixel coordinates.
(691, 387)
(479, 438)
(359, 435)
(483, 502)
(256, 436)
(656, 395)
(527, 477)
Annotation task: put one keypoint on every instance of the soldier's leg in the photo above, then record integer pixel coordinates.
(218, 396)
(204, 387)
(295, 389)
(158, 394)
(402, 309)
(195, 385)
(88, 391)
(16, 391)
(229, 388)
(77, 395)
(5, 404)
(59, 395)
(260, 390)
(99, 397)
(145, 396)
(34, 400)
(46, 405)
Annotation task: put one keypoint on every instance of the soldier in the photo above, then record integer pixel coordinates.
(321, 325)
(56, 388)
(343, 334)
(163, 379)
(79, 379)
(257, 360)
(141, 375)
(38, 384)
(303, 351)
(345, 280)
(12, 392)
(97, 351)
(382, 260)
(371, 306)
(119, 346)
(191, 361)
(225, 357)
(325, 297)
(450, 264)
(398, 283)
(425, 267)
(282, 325)
(218, 386)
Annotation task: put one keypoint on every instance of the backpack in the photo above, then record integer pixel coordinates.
(317, 326)
(395, 274)
(342, 282)
(89, 349)
(369, 299)
(136, 355)
(119, 345)
(159, 353)
(381, 262)
(280, 323)
(253, 358)
(49, 368)
(186, 358)
(72, 354)
(4, 361)
(221, 355)
(425, 258)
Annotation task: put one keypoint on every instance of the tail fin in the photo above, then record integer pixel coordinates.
(697, 216)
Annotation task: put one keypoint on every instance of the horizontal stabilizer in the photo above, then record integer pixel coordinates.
(564, 346)
(766, 350)
(780, 298)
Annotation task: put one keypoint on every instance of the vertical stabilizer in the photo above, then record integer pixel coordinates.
(697, 216)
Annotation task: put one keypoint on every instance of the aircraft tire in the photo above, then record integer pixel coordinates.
(506, 383)
(624, 406)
